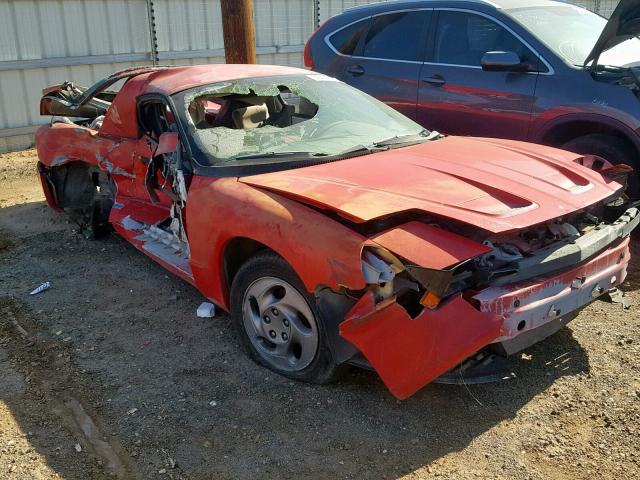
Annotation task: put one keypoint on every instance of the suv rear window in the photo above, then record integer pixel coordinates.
(346, 40)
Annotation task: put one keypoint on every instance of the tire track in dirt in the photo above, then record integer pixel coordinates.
(48, 367)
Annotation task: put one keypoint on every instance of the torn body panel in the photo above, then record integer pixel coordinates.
(63, 143)
(158, 244)
(220, 210)
(410, 352)
(528, 305)
(428, 245)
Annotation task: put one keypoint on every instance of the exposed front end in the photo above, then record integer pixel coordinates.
(507, 291)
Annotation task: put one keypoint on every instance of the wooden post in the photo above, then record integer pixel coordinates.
(238, 30)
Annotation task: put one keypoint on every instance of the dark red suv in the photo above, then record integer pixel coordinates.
(543, 71)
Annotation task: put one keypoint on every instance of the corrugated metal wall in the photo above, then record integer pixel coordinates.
(44, 42)
(329, 8)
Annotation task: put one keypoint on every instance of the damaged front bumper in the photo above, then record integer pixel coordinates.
(570, 252)
(529, 305)
(409, 352)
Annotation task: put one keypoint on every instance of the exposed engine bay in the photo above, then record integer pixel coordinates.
(509, 258)
(624, 77)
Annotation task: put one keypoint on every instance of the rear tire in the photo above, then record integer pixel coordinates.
(614, 150)
(278, 322)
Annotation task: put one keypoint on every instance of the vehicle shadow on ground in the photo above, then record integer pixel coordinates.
(174, 393)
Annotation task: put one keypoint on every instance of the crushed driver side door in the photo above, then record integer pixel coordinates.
(154, 219)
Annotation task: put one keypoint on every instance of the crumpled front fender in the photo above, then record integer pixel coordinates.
(409, 353)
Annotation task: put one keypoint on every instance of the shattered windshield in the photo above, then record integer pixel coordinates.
(293, 117)
(571, 32)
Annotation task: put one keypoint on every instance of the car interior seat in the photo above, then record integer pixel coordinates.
(250, 116)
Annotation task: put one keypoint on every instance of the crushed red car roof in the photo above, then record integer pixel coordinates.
(175, 79)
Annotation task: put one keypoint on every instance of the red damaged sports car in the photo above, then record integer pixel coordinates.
(334, 229)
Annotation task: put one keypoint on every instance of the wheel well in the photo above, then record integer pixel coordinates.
(74, 184)
(565, 132)
(237, 252)
(84, 191)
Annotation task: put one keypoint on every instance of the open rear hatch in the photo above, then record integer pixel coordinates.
(70, 100)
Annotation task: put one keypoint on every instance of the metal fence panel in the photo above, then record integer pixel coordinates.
(329, 8)
(43, 42)
(190, 32)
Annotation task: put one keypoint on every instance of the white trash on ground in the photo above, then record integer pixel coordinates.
(41, 288)
(206, 310)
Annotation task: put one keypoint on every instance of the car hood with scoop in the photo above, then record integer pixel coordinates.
(496, 185)
(623, 24)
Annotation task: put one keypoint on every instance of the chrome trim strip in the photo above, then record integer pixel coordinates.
(142, 57)
(379, 2)
(475, 67)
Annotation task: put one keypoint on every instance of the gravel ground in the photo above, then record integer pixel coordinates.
(111, 374)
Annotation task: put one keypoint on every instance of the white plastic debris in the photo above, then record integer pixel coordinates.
(206, 310)
(41, 288)
(129, 223)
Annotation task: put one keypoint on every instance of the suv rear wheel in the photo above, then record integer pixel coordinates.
(612, 149)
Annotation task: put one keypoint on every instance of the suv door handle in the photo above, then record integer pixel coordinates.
(356, 70)
(436, 80)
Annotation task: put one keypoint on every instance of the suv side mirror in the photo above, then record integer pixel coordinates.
(503, 62)
(167, 143)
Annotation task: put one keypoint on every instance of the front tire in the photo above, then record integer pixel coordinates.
(614, 150)
(278, 322)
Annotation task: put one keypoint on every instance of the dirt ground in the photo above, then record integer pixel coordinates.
(110, 374)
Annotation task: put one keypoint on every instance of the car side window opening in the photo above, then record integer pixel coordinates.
(396, 36)
(107, 96)
(463, 38)
(156, 118)
(164, 172)
(346, 40)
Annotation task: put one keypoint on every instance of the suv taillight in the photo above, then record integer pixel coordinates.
(308, 60)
